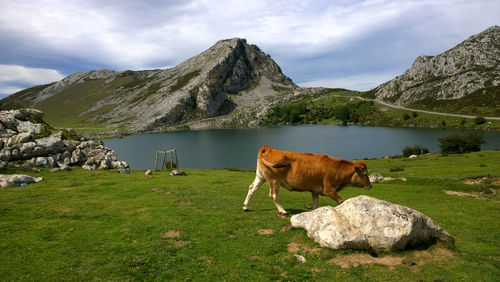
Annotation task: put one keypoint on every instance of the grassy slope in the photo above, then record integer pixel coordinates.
(65, 110)
(387, 116)
(101, 225)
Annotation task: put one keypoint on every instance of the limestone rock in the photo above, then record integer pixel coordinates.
(18, 142)
(364, 222)
(17, 179)
(52, 144)
(177, 172)
(377, 177)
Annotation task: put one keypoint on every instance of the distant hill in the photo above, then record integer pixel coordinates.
(464, 79)
(232, 77)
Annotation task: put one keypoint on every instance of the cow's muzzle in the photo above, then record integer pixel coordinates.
(368, 187)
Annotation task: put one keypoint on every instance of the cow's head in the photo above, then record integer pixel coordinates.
(360, 177)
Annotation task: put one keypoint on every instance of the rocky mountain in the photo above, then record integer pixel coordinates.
(232, 79)
(464, 79)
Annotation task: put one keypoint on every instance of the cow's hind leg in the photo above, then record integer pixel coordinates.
(257, 182)
(315, 198)
(275, 189)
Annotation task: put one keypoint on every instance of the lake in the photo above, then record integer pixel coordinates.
(237, 148)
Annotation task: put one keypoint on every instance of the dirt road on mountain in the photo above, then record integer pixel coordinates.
(415, 110)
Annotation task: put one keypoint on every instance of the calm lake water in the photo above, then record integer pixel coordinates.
(237, 148)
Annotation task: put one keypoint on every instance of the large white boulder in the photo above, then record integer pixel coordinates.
(364, 223)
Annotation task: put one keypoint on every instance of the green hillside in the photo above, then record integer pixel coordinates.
(341, 106)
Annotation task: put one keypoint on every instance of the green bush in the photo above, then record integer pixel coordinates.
(456, 143)
(479, 120)
(414, 150)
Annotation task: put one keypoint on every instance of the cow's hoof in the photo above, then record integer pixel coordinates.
(245, 209)
(284, 213)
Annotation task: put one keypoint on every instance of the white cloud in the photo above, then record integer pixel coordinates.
(14, 73)
(359, 82)
(129, 34)
(14, 78)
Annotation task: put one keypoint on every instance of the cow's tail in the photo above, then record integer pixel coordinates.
(268, 164)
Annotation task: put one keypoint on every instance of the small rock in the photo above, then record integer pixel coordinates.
(148, 172)
(301, 259)
(18, 179)
(125, 170)
(375, 177)
(54, 170)
(412, 156)
(408, 262)
(64, 167)
(177, 172)
(89, 167)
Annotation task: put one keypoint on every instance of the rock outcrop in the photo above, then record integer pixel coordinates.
(367, 223)
(25, 139)
(469, 71)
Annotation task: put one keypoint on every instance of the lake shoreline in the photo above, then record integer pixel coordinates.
(237, 148)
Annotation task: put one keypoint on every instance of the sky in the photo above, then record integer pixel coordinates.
(353, 44)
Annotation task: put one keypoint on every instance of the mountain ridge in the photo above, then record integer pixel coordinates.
(204, 86)
(469, 68)
(235, 84)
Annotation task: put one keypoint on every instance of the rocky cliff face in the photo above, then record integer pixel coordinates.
(232, 76)
(470, 68)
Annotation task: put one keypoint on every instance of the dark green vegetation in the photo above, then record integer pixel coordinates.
(342, 106)
(184, 80)
(414, 150)
(484, 102)
(456, 143)
(102, 225)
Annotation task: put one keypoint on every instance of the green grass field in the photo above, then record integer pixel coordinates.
(102, 225)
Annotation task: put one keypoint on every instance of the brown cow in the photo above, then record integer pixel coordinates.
(318, 174)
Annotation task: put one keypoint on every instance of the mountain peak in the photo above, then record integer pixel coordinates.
(462, 76)
(229, 76)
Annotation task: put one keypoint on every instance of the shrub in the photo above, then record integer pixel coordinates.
(406, 116)
(414, 150)
(395, 169)
(479, 120)
(456, 143)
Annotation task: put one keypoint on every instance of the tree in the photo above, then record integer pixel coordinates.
(457, 144)
(343, 114)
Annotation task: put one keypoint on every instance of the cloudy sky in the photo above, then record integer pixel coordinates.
(353, 44)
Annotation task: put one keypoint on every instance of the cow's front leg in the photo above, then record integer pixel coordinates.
(332, 193)
(275, 189)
